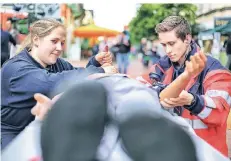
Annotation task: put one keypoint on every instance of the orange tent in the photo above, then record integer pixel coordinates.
(94, 31)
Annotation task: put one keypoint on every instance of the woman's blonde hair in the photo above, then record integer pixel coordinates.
(40, 28)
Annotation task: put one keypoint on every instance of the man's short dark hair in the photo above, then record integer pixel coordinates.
(177, 23)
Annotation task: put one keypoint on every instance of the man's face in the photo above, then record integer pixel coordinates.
(174, 47)
(8, 25)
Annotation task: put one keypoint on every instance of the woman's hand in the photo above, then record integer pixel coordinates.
(104, 57)
(43, 105)
(108, 68)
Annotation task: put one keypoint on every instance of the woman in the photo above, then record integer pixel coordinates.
(38, 69)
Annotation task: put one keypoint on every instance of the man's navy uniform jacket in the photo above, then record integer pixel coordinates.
(22, 77)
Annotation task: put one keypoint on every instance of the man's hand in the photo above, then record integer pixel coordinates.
(104, 57)
(196, 64)
(43, 105)
(184, 98)
(193, 68)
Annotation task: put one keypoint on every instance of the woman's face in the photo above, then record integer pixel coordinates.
(51, 46)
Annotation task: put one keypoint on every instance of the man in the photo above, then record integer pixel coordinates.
(195, 38)
(206, 101)
(11, 29)
(122, 57)
(143, 51)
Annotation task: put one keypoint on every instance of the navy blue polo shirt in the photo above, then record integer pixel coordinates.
(22, 77)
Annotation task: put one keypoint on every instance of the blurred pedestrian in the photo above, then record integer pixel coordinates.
(114, 47)
(122, 57)
(6, 39)
(38, 68)
(205, 103)
(143, 50)
(154, 53)
(208, 45)
(228, 52)
(216, 49)
(143, 44)
(13, 31)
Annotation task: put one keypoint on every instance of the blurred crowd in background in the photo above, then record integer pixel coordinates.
(210, 29)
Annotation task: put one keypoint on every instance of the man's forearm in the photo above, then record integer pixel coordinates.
(193, 68)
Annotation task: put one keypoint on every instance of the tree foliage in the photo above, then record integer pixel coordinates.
(149, 15)
(76, 9)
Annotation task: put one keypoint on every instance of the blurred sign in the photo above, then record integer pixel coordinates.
(220, 21)
(206, 37)
(88, 18)
(39, 9)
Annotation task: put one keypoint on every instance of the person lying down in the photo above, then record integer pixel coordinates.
(109, 117)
